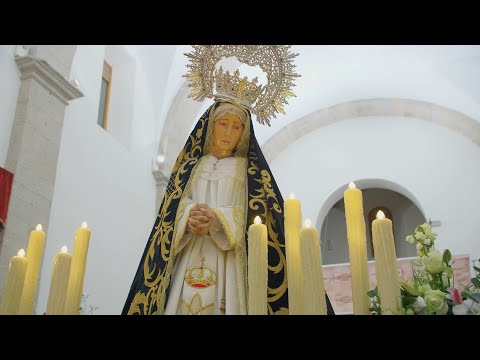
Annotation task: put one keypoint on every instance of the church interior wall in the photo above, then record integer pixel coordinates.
(437, 165)
(105, 177)
(104, 181)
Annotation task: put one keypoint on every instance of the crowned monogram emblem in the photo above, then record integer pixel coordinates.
(200, 277)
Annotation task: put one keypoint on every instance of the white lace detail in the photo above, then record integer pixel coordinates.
(212, 171)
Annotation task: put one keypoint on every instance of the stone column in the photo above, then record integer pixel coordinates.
(161, 179)
(33, 152)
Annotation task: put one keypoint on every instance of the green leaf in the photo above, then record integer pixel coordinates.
(373, 293)
(447, 256)
(407, 300)
(476, 269)
(476, 282)
(475, 297)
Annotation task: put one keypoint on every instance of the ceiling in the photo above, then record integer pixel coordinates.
(447, 75)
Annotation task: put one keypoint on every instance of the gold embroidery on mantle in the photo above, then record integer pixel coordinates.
(195, 306)
(157, 282)
(258, 202)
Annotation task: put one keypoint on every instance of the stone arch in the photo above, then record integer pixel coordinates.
(365, 184)
(423, 110)
(183, 110)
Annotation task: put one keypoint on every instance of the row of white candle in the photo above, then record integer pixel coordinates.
(306, 290)
(304, 266)
(66, 284)
(386, 267)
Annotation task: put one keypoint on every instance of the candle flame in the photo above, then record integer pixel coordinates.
(21, 252)
(39, 227)
(257, 220)
(64, 249)
(351, 185)
(308, 223)
(292, 196)
(84, 224)
(380, 214)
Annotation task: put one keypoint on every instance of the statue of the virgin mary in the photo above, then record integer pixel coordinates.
(195, 260)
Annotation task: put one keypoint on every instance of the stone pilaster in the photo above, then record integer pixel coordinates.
(33, 152)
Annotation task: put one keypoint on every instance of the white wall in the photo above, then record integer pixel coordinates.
(120, 109)
(162, 80)
(174, 82)
(9, 86)
(143, 133)
(100, 181)
(438, 166)
(334, 74)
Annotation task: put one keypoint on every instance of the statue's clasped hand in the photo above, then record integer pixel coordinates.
(200, 219)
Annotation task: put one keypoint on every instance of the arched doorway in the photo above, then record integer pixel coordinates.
(404, 213)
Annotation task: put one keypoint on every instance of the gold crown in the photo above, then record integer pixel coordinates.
(239, 90)
(200, 277)
(276, 61)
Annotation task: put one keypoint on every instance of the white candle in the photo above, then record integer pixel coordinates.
(59, 282)
(36, 245)
(12, 294)
(293, 225)
(314, 289)
(386, 266)
(257, 268)
(77, 270)
(357, 249)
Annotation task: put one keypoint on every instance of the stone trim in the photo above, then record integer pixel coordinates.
(48, 77)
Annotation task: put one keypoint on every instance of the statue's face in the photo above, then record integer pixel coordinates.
(227, 131)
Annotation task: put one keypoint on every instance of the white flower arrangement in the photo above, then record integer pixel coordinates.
(432, 290)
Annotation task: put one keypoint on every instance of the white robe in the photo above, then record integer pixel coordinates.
(204, 278)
